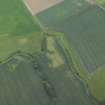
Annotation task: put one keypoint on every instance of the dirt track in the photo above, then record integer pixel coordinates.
(36, 6)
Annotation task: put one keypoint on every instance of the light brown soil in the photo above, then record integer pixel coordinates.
(36, 6)
(92, 2)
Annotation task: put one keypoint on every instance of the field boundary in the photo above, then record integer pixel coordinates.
(70, 56)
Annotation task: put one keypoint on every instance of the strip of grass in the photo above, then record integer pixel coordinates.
(72, 58)
(57, 14)
(53, 54)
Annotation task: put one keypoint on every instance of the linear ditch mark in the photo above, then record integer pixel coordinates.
(47, 85)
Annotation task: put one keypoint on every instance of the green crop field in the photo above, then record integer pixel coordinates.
(15, 18)
(83, 25)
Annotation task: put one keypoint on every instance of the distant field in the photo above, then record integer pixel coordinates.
(54, 16)
(83, 25)
(15, 18)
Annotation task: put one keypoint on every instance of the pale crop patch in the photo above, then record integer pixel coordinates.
(55, 57)
(23, 41)
(36, 6)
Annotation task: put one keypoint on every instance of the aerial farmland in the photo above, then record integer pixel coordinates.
(52, 52)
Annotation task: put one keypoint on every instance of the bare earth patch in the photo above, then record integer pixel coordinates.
(36, 6)
(92, 2)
